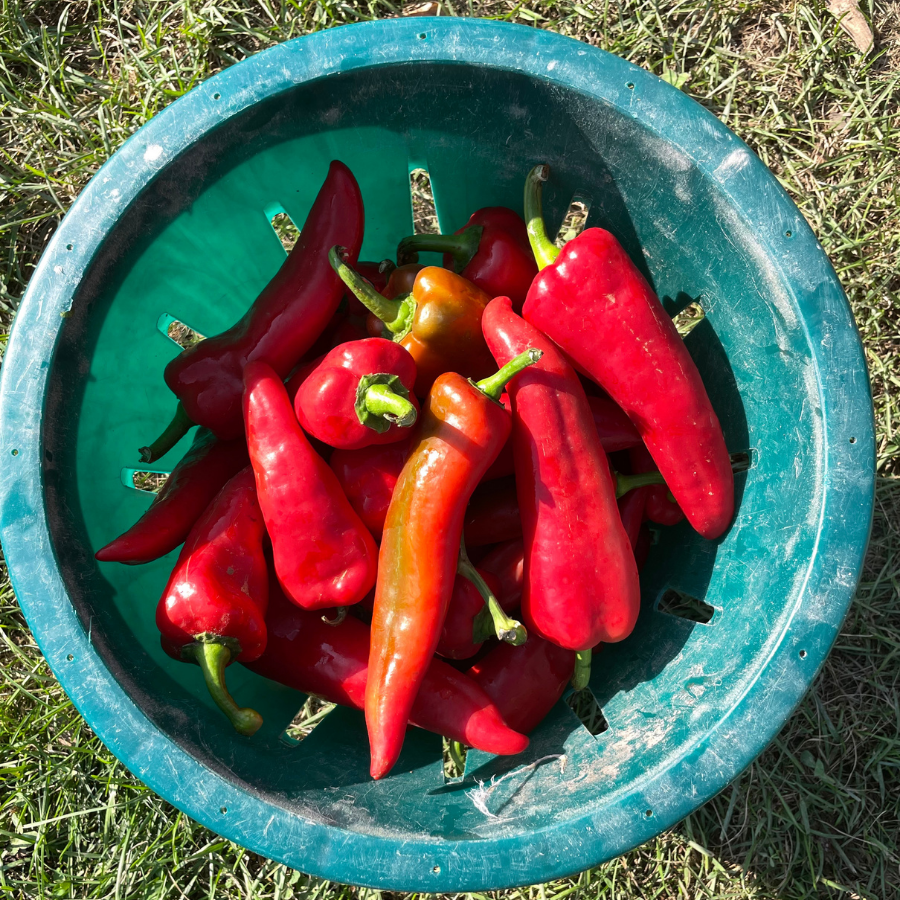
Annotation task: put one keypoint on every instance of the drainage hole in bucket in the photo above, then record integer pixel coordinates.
(853, 440)
(436, 870)
(630, 85)
(677, 603)
(70, 657)
(788, 234)
(178, 331)
(216, 96)
(69, 246)
(150, 482)
(425, 220)
(648, 813)
(584, 704)
(223, 810)
(286, 230)
(311, 714)
(575, 219)
(454, 756)
(802, 654)
(15, 452)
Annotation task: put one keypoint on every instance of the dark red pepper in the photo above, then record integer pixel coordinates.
(283, 322)
(659, 506)
(631, 510)
(212, 610)
(493, 514)
(524, 682)
(594, 303)
(507, 562)
(491, 250)
(368, 477)
(581, 584)
(332, 661)
(188, 491)
(358, 395)
(324, 556)
(456, 640)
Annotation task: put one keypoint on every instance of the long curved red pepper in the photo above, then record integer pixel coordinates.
(283, 322)
(212, 610)
(461, 431)
(581, 584)
(359, 395)
(592, 300)
(332, 662)
(324, 556)
(524, 682)
(491, 250)
(188, 491)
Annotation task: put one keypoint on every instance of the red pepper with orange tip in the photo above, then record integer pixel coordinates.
(188, 491)
(359, 395)
(324, 556)
(332, 661)
(283, 322)
(212, 610)
(462, 429)
(438, 322)
(524, 682)
(491, 250)
(581, 584)
(659, 506)
(594, 303)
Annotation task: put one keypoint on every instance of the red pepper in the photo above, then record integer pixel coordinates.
(631, 511)
(659, 506)
(188, 491)
(491, 250)
(456, 641)
(331, 661)
(461, 432)
(283, 322)
(439, 322)
(359, 395)
(368, 477)
(592, 300)
(507, 562)
(340, 330)
(324, 556)
(581, 584)
(524, 682)
(212, 610)
(493, 514)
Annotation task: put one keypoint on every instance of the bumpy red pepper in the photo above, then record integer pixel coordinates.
(283, 322)
(368, 477)
(581, 584)
(324, 556)
(461, 432)
(659, 506)
(592, 300)
(332, 662)
(491, 250)
(524, 682)
(188, 490)
(439, 322)
(359, 395)
(212, 610)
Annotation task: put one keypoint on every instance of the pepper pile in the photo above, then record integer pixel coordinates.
(364, 424)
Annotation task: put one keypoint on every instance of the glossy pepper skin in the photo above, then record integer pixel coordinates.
(493, 514)
(214, 604)
(332, 662)
(659, 506)
(466, 603)
(368, 477)
(524, 682)
(359, 395)
(283, 322)
(461, 431)
(491, 250)
(581, 583)
(324, 556)
(188, 491)
(592, 301)
(439, 322)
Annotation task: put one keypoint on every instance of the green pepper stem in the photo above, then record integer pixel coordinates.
(395, 314)
(492, 620)
(494, 384)
(456, 755)
(212, 658)
(462, 247)
(340, 613)
(582, 674)
(175, 431)
(545, 251)
(626, 483)
(380, 400)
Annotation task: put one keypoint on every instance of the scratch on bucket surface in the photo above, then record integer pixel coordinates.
(480, 795)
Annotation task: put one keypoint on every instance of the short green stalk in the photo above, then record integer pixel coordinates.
(212, 657)
(492, 621)
(582, 674)
(545, 251)
(495, 384)
(462, 247)
(175, 431)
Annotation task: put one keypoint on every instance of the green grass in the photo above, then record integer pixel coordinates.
(818, 814)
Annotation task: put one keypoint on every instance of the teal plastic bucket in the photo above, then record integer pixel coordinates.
(177, 225)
